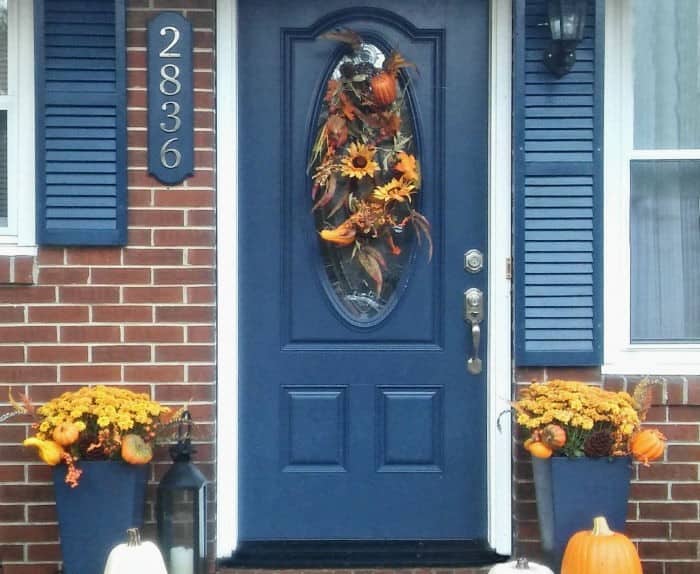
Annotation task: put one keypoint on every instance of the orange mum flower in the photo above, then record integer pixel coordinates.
(407, 165)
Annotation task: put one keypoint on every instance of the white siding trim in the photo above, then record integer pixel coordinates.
(621, 356)
(227, 278)
(499, 351)
(664, 154)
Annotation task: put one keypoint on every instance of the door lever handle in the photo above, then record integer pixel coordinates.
(474, 315)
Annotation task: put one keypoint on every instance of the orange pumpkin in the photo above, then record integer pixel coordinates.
(647, 445)
(384, 88)
(554, 436)
(600, 551)
(66, 434)
(540, 450)
(135, 450)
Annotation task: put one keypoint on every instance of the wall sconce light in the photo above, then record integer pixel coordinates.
(567, 21)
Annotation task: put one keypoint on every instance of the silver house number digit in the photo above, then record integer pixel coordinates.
(169, 84)
(170, 157)
(173, 115)
(165, 52)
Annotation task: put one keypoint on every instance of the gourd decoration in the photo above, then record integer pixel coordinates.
(538, 449)
(135, 557)
(66, 433)
(648, 445)
(49, 451)
(600, 550)
(554, 436)
(520, 566)
(135, 450)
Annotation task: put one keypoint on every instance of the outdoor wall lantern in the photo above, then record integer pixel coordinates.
(181, 508)
(567, 20)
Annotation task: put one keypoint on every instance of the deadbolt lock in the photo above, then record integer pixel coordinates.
(473, 261)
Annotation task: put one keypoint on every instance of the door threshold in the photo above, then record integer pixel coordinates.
(359, 554)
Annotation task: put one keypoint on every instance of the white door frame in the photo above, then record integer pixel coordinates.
(499, 299)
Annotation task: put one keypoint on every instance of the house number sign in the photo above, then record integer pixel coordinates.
(170, 98)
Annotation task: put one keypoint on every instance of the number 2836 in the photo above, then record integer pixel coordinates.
(170, 86)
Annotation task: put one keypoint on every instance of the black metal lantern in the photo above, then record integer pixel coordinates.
(567, 21)
(181, 508)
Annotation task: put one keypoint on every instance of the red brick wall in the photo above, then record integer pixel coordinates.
(664, 509)
(142, 316)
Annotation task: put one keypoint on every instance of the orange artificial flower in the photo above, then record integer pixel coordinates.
(407, 166)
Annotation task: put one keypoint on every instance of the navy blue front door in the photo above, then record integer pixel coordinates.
(354, 429)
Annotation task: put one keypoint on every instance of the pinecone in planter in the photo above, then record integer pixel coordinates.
(598, 444)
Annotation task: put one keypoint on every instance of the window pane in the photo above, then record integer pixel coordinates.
(665, 251)
(3, 47)
(666, 75)
(364, 214)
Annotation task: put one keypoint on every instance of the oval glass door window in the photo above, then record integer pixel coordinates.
(365, 176)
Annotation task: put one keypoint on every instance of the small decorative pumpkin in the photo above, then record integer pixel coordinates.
(384, 88)
(540, 450)
(600, 550)
(66, 434)
(520, 566)
(648, 445)
(384, 85)
(135, 557)
(135, 450)
(554, 436)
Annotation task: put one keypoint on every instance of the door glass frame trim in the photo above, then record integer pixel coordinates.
(499, 445)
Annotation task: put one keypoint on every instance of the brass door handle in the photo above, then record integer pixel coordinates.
(474, 315)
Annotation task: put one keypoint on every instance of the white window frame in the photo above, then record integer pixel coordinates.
(621, 355)
(19, 237)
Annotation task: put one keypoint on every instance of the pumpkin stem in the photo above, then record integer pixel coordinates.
(133, 537)
(522, 564)
(600, 527)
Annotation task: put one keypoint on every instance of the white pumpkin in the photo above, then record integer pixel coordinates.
(520, 566)
(135, 557)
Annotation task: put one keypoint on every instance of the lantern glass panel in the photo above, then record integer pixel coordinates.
(554, 11)
(573, 19)
(181, 519)
(567, 19)
(183, 529)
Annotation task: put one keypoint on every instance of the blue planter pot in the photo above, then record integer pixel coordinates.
(94, 516)
(571, 492)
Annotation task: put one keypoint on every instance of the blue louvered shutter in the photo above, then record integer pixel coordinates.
(558, 201)
(81, 122)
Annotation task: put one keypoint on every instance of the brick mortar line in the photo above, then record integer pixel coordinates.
(197, 70)
(136, 148)
(197, 169)
(196, 50)
(196, 89)
(139, 128)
